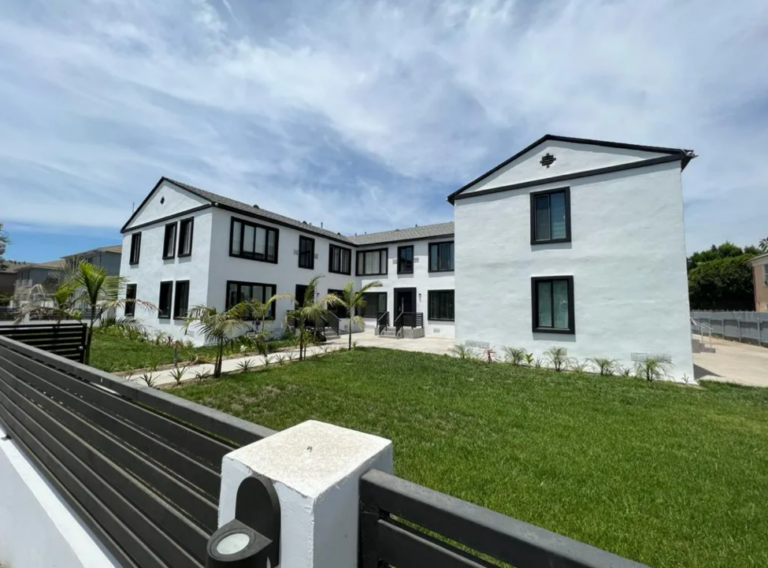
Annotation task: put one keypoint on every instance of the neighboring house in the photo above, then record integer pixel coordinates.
(760, 274)
(186, 246)
(578, 244)
(8, 279)
(571, 242)
(33, 274)
(107, 257)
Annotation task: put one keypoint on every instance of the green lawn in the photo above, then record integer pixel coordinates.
(115, 354)
(668, 475)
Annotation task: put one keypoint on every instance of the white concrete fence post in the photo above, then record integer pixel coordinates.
(316, 469)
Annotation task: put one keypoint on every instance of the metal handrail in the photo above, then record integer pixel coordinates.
(701, 327)
(334, 323)
(399, 326)
(381, 326)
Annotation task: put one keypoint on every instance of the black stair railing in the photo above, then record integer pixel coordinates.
(333, 322)
(382, 322)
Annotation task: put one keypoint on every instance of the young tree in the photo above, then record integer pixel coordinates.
(217, 327)
(260, 310)
(722, 284)
(309, 310)
(352, 301)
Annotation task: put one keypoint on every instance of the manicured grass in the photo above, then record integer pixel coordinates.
(116, 354)
(668, 475)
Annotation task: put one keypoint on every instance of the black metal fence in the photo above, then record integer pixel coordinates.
(140, 466)
(390, 507)
(66, 339)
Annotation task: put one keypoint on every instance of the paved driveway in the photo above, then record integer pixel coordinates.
(436, 345)
(733, 362)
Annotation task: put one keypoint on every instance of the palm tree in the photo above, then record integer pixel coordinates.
(352, 301)
(309, 309)
(217, 327)
(82, 284)
(763, 244)
(260, 310)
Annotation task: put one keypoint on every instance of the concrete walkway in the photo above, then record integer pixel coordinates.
(733, 362)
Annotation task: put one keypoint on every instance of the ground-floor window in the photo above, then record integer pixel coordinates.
(441, 305)
(245, 291)
(553, 304)
(181, 299)
(375, 305)
(164, 304)
(130, 297)
(338, 310)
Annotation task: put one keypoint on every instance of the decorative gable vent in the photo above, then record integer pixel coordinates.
(547, 160)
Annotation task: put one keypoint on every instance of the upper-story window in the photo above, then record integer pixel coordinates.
(169, 241)
(135, 248)
(405, 260)
(340, 260)
(551, 216)
(441, 257)
(186, 230)
(306, 252)
(372, 262)
(252, 241)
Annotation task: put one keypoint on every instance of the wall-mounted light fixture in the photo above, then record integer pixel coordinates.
(252, 538)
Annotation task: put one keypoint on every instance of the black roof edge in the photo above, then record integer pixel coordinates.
(685, 155)
(143, 203)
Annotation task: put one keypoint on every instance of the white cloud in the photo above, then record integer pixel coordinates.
(366, 115)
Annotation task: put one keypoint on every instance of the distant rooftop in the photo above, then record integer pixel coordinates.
(109, 248)
(13, 265)
(408, 234)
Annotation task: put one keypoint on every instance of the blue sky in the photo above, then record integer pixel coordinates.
(363, 115)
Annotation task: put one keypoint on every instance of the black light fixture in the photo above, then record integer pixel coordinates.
(252, 538)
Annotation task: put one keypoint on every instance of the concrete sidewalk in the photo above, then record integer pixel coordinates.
(733, 362)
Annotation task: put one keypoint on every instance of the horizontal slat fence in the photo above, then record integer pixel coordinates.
(66, 339)
(388, 503)
(140, 466)
(747, 327)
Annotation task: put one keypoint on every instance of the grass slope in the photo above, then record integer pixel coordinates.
(667, 475)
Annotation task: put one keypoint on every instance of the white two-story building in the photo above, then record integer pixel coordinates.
(570, 242)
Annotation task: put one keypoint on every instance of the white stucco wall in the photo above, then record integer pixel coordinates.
(627, 258)
(570, 158)
(37, 527)
(167, 200)
(421, 279)
(152, 269)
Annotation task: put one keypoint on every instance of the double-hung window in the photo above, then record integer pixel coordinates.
(186, 230)
(169, 241)
(181, 299)
(372, 262)
(244, 291)
(306, 252)
(166, 295)
(252, 241)
(441, 257)
(551, 216)
(553, 310)
(130, 300)
(339, 260)
(135, 248)
(405, 260)
(441, 305)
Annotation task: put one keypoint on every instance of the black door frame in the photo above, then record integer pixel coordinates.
(398, 292)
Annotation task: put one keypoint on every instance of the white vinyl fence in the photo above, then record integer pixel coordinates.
(748, 327)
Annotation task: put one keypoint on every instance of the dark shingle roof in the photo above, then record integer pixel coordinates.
(257, 211)
(109, 248)
(409, 234)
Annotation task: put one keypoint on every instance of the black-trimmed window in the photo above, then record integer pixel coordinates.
(181, 299)
(405, 259)
(130, 300)
(441, 257)
(306, 252)
(441, 305)
(372, 262)
(551, 216)
(186, 232)
(338, 310)
(166, 297)
(252, 241)
(241, 291)
(339, 260)
(135, 248)
(375, 305)
(301, 294)
(169, 241)
(553, 304)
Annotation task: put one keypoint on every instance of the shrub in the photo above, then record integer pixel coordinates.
(200, 376)
(515, 355)
(462, 351)
(652, 369)
(148, 377)
(558, 357)
(529, 360)
(578, 366)
(177, 374)
(606, 367)
(280, 359)
(488, 355)
(623, 371)
(245, 365)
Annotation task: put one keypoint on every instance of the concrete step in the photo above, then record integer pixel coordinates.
(388, 333)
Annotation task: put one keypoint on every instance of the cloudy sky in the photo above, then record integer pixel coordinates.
(363, 114)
